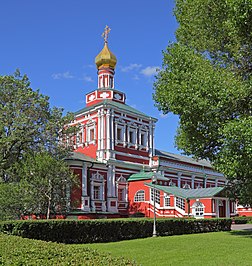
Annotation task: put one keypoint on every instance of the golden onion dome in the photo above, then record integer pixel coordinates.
(105, 58)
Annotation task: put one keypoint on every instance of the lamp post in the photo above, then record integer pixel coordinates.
(154, 180)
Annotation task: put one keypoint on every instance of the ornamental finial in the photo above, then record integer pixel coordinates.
(106, 33)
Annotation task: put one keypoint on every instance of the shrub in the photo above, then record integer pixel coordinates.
(240, 220)
(91, 231)
(19, 251)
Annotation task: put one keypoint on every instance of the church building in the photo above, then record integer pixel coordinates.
(120, 172)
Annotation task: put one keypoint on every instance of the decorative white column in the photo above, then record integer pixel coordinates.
(179, 179)
(108, 135)
(193, 178)
(227, 209)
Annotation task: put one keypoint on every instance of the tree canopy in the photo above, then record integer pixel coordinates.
(33, 174)
(206, 81)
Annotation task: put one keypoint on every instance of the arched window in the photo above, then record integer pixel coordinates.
(198, 209)
(139, 196)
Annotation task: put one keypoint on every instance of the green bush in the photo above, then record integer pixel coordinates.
(95, 231)
(19, 251)
(240, 220)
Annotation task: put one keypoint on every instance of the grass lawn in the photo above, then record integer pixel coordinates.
(221, 248)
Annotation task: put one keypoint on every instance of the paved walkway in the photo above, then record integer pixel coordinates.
(241, 227)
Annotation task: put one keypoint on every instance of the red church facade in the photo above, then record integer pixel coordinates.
(113, 145)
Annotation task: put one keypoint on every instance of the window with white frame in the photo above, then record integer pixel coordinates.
(119, 133)
(97, 192)
(91, 132)
(121, 194)
(157, 195)
(167, 201)
(180, 203)
(97, 186)
(198, 209)
(139, 196)
(132, 136)
(143, 138)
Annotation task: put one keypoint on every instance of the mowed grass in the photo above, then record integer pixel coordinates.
(221, 248)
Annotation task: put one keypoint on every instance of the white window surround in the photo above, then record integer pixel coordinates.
(91, 134)
(198, 209)
(180, 203)
(120, 129)
(167, 202)
(139, 196)
(131, 136)
(142, 137)
(122, 187)
(97, 186)
(157, 196)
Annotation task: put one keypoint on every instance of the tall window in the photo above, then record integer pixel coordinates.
(157, 195)
(121, 196)
(119, 134)
(131, 137)
(167, 202)
(91, 134)
(180, 203)
(97, 192)
(139, 196)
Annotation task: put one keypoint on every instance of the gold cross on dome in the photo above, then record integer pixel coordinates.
(106, 33)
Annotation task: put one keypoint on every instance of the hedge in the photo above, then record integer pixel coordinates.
(95, 231)
(20, 251)
(242, 220)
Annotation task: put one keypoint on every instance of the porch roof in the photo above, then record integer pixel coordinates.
(189, 193)
(146, 175)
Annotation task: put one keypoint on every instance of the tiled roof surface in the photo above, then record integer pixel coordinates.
(146, 175)
(116, 105)
(189, 193)
(81, 157)
(181, 158)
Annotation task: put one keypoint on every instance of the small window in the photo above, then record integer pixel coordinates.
(198, 209)
(143, 139)
(97, 192)
(91, 136)
(139, 196)
(131, 137)
(119, 134)
(180, 203)
(157, 195)
(167, 202)
(121, 194)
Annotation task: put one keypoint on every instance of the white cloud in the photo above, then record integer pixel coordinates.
(163, 115)
(88, 78)
(149, 71)
(130, 67)
(64, 75)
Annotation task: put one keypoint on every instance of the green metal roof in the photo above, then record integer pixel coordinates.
(189, 193)
(110, 103)
(80, 157)
(146, 175)
(181, 158)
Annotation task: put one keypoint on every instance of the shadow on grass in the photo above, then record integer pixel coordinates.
(243, 233)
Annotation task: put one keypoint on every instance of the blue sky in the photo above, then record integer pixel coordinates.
(55, 43)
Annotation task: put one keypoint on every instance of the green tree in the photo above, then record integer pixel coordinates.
(27, 123)
(206, 81)
(33, 174)
(47, 182)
